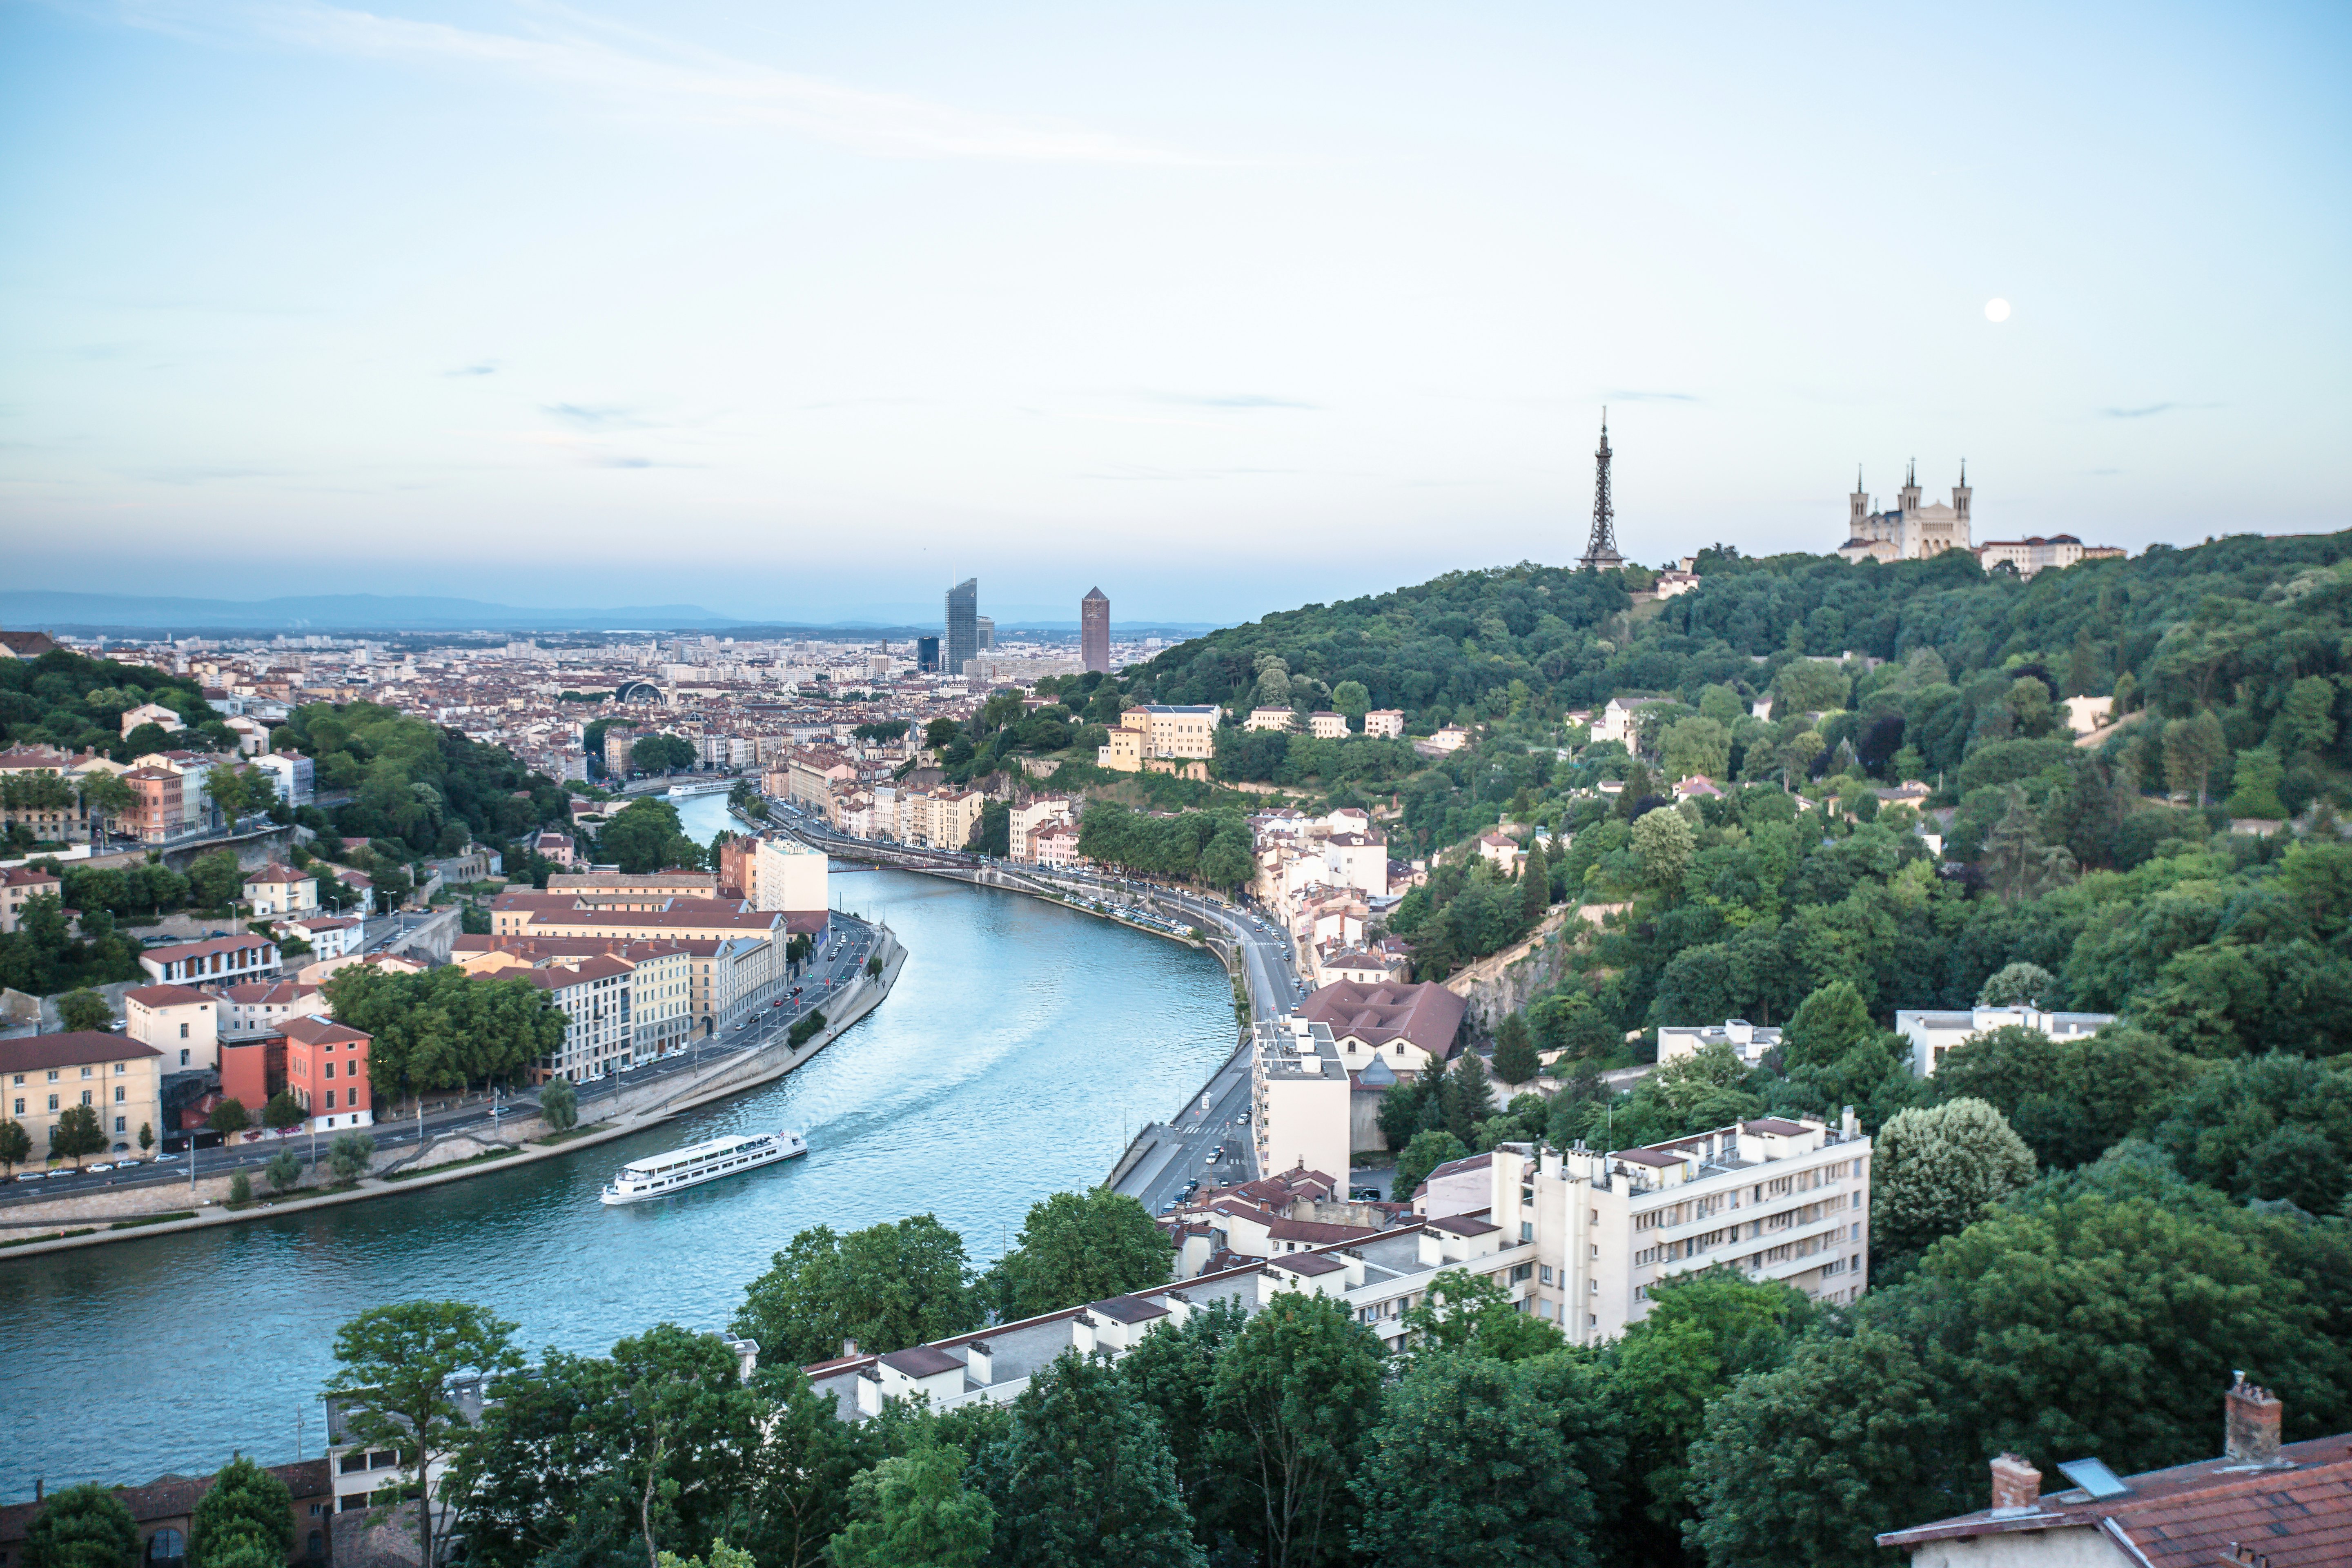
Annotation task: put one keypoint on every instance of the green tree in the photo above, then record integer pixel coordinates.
(15, 1143)
(78, 1133)
(146, 1136)
(283, 1110)
(83, 1009)
(231, 790)
(1802, 1464)
(1703, 1332)
(645, 835)
(349, 1157)
(396, 1367)
(106, 798)
(215, 880)
(2276, 1126)
(83, 1527)
(2020, 865)
(1695, 747)
(1085, 1476)
(915, 1510)
(2254, 786)
(1462, 1314)
(1515, 1051)
(2015, 982)
(1471, 1462)
(2306, 719)
(660, 753)
(800, 1469)
(240, 1190)
(721, 1556)
(1076, 1248)
(1662, 843)
(246, 1509)
(1173, 1372)
(1934, 1170)
(228, 1118)
(1830, 1022)
(1467, 1097)
(2193, 748)
(1427, 1151)
(284, 1172)
(887, 1286)
(2069, 1100)
(558, 1104)
(1287, 1409)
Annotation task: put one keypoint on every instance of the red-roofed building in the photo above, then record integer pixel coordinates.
(327, 1073)
(19, 885)
(224, 958)
(1407, 1026)
(2263, 1504)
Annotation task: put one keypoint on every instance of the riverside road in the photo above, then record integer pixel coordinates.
(1207, 1138)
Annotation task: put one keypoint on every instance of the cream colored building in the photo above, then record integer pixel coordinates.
(1774, 1199)
(1158, 732)
(1271, 718)
(786, 874)
(1029, 816)
(19, 885)
(180, 1022)
(48, 1075)
(278, 891)
(1298, 1098)
(1328, 726)
(1386, 722)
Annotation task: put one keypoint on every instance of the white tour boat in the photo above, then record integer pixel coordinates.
(697, 1163)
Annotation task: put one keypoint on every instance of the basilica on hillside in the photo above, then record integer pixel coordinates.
(1911, 532)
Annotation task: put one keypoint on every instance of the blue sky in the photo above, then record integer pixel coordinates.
(810, 311)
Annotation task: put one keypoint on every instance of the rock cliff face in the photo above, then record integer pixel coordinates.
(1501, 983)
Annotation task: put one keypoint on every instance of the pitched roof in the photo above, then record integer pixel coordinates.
(1379, 1011)
(277, 872)
(166, 995)
(314, 1030)
(2296, 1515)
(77, 1047)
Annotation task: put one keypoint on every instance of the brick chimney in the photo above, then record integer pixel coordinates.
(2251, 1427)
(2016, 1486)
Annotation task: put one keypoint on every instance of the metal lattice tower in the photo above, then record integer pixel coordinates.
(1601, 552)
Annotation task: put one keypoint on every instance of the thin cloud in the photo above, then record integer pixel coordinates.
(2141, 413)
(592, 418)
(1227, 400)
(650, 74)
(486, 367)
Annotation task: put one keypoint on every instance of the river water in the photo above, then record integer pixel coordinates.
(1020, 1045)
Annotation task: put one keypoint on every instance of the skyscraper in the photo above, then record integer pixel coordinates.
(927, 655)
(963, 624)
(1094, 631)
(983, 633)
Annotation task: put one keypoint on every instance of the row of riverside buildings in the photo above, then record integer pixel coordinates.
(639, 967)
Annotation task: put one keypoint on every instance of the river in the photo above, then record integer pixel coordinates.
(1020, 1045)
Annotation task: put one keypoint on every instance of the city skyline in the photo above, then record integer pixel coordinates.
(503, 294)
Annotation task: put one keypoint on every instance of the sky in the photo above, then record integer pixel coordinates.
(808, 312)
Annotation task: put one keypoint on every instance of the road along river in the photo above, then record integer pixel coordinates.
(1022, 1045)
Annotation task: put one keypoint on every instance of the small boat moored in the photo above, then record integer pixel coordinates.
(659, 1175)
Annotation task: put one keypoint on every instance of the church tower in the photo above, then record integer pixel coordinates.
(1907, 529)
(1857, 509)
(1961, 493)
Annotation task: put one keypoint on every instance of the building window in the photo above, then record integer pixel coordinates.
(167, 1548)
(85, 1096)
(119, 1126)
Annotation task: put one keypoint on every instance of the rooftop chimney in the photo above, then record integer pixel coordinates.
(2252, 1428)
(848, 1348)
(2016, 1487)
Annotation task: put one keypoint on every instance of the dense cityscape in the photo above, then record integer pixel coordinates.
(799, 789)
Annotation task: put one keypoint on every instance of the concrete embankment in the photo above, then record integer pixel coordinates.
(458, 1155)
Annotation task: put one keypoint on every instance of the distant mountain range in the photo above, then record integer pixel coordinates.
(325, 614)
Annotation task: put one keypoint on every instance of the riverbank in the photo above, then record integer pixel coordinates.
(463, 1155)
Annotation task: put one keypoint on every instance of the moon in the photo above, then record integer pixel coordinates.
(1996, 309)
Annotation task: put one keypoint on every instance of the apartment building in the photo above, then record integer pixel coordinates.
(49, 1075)
(786, 875)
(1774, 1198)
(266, 1006)
(1029, 816)
(1298, 1097)
(19, 885)
(1934, 1032)
(330, 936)
(327, 1073)
(600, 1034)
(1276, 719)
(1386, 723)
(159, 806)
(180, 1022)
(220, 958)
(1327, 726)
(1749, 1041)
(1159, 733)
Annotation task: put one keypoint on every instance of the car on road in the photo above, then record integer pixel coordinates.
(99, 1170)
(1216, 1154)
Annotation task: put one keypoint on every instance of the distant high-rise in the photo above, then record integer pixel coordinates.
(927, 655)
(963, 624)
(983, 631)
(1094, 631)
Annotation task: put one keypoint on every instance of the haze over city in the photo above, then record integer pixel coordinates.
(808, 314)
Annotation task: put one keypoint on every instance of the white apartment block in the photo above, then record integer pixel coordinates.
(1325, 726)
(1749, 1041)
(1030, 815)
(1620, 720)
(1379, 1278)
(1298, 1097)
(787, 875)
(599, 1035)
(1934, 1032)
(1387, 723)
(1271, 718)
(1773, 1198)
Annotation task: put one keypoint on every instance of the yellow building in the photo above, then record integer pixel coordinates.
(48, 1075)
(180, 1021)
(1160, 732)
